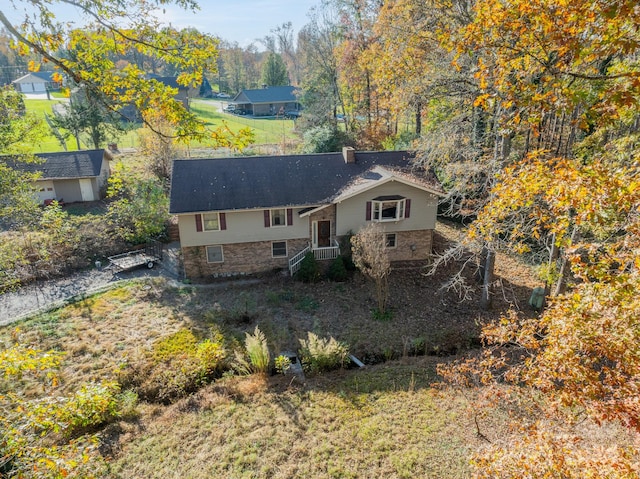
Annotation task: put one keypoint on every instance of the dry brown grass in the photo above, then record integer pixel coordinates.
(382, 421)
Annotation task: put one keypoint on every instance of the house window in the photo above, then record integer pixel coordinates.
(279, 249)
(279, 217)
(390, 240)
(214, 254)
(388, 208)
(211, 222)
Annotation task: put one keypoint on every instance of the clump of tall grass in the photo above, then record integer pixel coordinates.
(256, 357)
(321, 354)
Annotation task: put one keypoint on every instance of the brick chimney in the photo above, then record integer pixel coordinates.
(349, 154)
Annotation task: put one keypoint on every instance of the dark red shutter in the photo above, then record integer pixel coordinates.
(368, 210)
(223, 221)
(407, 207)
(289, 216)
(267, 219)
(198, 222)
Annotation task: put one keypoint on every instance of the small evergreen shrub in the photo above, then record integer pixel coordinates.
(338, 270)
(309, 269)
(320, 354)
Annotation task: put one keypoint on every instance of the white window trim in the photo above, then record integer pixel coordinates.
(271, 217)
(395, 240)
(376, 206)
(204, 222)
(221, 253)
(286, 249)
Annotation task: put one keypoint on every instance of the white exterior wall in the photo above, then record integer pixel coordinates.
(351, 213)
(242, 227)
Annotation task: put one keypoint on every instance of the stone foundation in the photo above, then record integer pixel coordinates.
(255, 257)
(239, 258)
(412, 246)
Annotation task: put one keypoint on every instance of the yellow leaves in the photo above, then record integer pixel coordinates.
(481, 101)
(34, 66)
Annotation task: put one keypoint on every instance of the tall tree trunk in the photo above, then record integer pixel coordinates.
(487, 280)
(563, 274)
(418, 118)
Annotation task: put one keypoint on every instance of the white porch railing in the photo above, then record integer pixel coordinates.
(328, 252)
(294, 261)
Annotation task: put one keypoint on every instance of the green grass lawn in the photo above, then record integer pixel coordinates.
(267, 131)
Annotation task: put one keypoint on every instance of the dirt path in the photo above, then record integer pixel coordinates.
(43, 295)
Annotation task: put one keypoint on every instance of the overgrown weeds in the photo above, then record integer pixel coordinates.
(175, 366)
(322, 354)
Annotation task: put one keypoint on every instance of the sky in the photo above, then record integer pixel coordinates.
(241, 21)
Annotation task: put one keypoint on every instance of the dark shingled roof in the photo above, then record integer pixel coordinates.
(270, 181)
(68, 164)
(272, 94)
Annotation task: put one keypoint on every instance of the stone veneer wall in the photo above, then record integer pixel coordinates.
(247, 258)
(239, 258)
(325, 214)
(412, 246)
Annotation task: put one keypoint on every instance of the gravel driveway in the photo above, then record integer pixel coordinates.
(43, 295)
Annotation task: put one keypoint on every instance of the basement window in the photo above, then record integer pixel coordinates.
(214, 254)
(279, 249)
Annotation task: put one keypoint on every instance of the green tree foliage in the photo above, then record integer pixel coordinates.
(18, 133)
(321, 94)
(274, 71)
(324, 139)
(117, 28)
(139, 208)
(45, 438)
(88, 118)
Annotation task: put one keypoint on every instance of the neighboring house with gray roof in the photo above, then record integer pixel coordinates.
(71, 176)
(36, 82)
(267, 101)
(246, 215)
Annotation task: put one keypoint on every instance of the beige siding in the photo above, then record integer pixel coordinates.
(101, 183)
(351, 213)
(242, 227)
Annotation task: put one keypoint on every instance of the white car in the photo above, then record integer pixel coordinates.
(224, 95)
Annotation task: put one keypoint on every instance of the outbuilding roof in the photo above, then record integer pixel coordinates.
(29, 77)
(68, 164)
(279, 181)
(271, 94)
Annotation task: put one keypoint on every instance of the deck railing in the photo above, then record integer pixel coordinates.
(325, 253)
(295, 261)
(328, 252)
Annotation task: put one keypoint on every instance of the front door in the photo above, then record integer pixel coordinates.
(324, 234)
